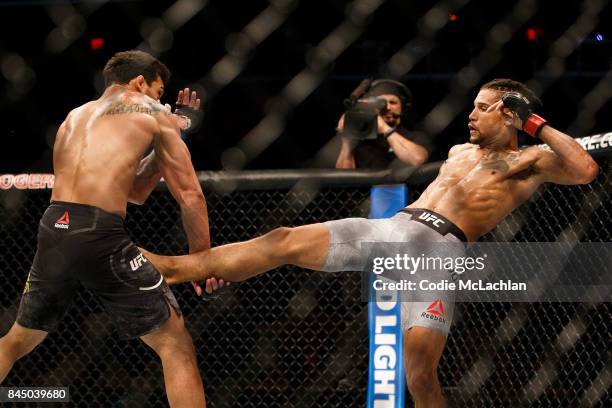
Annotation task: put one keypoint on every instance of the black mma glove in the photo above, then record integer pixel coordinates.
(191, 118)
(517, 103)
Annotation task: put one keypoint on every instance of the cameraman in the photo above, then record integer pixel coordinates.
(373, 138)
(393, 140)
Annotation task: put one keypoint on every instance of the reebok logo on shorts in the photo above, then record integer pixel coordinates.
(63, 222)
(435, 311)
(137, 262)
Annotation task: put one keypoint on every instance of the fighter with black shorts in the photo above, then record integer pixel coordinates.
(108, 152)
(82, 244)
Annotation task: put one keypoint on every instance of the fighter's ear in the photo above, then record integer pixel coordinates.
(507, 115)
(138, 83)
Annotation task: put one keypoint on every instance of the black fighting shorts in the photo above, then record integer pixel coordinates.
(79, 243)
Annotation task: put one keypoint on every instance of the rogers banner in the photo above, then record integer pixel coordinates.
(599, 143)
(34, 181)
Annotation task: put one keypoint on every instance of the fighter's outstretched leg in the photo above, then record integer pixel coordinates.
(304, 246)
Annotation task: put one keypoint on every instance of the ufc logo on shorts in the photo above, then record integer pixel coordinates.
(137, 262)
(427, 217)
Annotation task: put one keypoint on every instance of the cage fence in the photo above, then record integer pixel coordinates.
(298, 338)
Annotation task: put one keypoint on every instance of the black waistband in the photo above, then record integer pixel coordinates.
(87, 210)
(436, 222)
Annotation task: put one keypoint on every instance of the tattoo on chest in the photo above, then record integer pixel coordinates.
(120, 107)
(496, 161)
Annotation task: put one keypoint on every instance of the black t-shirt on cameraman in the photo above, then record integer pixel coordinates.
(377, 154)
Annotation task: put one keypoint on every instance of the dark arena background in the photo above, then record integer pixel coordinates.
(273, 77)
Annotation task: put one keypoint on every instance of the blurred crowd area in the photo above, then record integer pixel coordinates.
(273, 75)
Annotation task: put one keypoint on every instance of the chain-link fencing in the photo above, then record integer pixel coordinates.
(298, 338)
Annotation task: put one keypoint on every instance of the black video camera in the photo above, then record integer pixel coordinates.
(360, 119)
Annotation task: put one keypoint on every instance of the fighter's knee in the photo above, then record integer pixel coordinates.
(283, 243)
(422, 383)
(280, 235)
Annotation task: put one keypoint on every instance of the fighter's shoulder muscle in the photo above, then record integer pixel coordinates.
(538, 157)
(536, 152)
(460, 148)
(73, 115)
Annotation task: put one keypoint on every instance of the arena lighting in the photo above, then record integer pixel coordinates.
(532, 34)
(96, 43)
(599, 37)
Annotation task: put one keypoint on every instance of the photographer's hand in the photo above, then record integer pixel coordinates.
(406, 150)
(383, 128)
(345, 160)
(340, 126)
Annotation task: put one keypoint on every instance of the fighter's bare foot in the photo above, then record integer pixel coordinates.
(209, 289)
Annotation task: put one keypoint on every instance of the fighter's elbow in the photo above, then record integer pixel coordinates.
(590, 172)
(585, 174)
